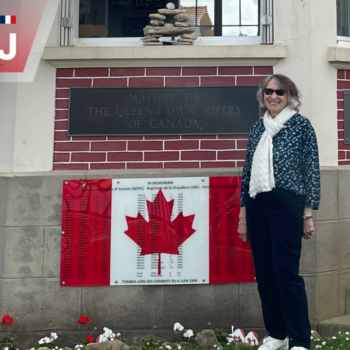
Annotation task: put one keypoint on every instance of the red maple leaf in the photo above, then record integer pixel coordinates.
(159, 234)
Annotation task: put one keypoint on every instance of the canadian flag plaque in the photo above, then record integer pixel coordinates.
(152, 232)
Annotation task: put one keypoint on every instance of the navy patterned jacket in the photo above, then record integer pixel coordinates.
(295, 159)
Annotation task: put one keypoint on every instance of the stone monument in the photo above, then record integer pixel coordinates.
(169, 22)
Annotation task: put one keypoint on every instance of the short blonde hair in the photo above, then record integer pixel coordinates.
(292, 92)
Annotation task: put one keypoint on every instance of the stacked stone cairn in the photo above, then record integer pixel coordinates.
(169, 22)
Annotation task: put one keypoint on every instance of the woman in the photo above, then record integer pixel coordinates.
(280, 187)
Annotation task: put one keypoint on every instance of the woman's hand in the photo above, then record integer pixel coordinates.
(242, 226)
(242, 232)
(308, 224)
(308, 228)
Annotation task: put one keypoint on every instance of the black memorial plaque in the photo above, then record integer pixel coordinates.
(162, 111)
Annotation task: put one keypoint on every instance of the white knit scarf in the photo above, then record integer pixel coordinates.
(262, 177)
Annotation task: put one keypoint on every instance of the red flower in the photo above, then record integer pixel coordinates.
(84, 319)
(90, 339)
(7, 319)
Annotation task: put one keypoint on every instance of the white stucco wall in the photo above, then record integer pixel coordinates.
(308, 28)
(7, 125)
(34, 128)
(27, 112)
(27, 108)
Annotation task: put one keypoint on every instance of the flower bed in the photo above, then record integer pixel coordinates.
(184, 339)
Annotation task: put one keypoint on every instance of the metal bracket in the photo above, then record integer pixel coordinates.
(266, 20)
(67, 22)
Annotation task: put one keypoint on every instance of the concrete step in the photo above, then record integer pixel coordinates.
(332, 326)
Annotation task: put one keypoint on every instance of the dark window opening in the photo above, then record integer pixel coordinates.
(127, 18)
(343, 16)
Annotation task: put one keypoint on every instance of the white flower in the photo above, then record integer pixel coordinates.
(347, 338)
(168, 347)
(77, 346)
(215, 345)
(318, 339)
(311, 337)
(47, 340)
(54, 335)
(6, 348)
(178, 327)
(148, 344)
(339, 332)
(334, 337)
(189, 333)
(41, 341)
(56, 347)
(318, 346)
(160, 347)
(324, 343)
(179, 347)
(346, 333)
(118, 334)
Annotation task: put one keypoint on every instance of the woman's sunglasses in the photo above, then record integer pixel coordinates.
(279, 92)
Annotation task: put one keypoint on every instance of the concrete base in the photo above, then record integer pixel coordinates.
(30, 240)
(328, 328)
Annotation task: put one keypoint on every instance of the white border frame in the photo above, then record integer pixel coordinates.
(343, 41)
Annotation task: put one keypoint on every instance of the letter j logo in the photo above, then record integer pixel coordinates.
(13, 43)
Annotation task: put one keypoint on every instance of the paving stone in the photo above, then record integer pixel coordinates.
(344, 292)
(52, 251)
(196, 305)
(23, 251)
(122, 306)
(3, 202)
(35, 200)
(308, 260)
(250, 312)
(331, 327)
(329, 196)
(344, 193)
(311, 290)
(2, 253)
(40, 303)
(333, 245)
(327, 295)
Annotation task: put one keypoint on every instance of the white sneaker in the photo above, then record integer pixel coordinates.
(298, 348)
(270, 343)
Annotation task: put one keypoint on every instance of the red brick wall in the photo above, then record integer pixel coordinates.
(140, 152)
(343, 84)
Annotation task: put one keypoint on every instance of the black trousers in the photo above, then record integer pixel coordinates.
(275, 229)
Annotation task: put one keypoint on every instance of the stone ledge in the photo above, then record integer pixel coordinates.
(129, 56)
(129, 173)
(332, 326)
(142, 172)
(339, 56)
